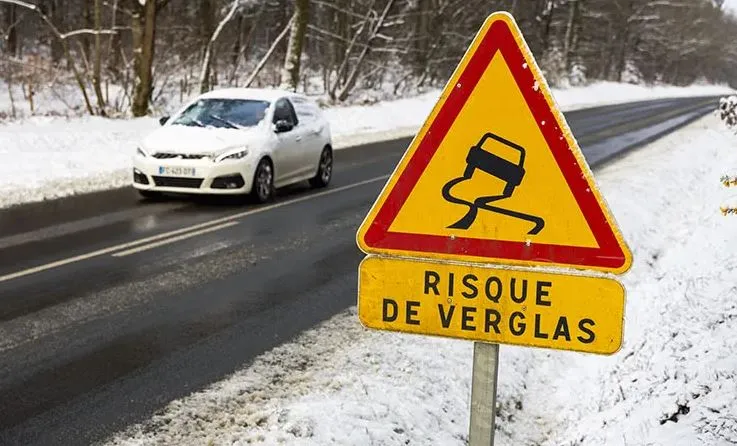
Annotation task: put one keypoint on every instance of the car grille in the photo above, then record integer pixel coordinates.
(166, 156)
(192, 183)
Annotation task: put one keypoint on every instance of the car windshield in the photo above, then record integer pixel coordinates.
(223, 113)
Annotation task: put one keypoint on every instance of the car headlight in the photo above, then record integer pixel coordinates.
(139, 151)
(232, 155)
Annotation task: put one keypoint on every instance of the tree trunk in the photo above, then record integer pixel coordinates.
(340, 47)
(206, 18)
(548, 12)
(12, 30)
(86, 39)
(9, 81)
(114, 47)
(290, 71)
(245, 45)
(97, 60)
(235, 57)
(144, 28)
(621, 55)
(606, 59)
(58, 16)
(568, 48)
(421, 37)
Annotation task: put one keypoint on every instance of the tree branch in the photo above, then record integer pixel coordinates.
(266, 57)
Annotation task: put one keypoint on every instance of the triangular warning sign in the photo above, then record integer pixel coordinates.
(495, 175)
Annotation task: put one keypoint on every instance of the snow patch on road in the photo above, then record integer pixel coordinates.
(43, 158)
(673, 382)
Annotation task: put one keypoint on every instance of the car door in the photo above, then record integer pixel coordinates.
(310, 131)
(287, 153)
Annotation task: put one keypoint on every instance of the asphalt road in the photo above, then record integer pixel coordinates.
(110, 306)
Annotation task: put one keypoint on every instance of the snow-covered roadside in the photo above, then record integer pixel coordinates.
(45, 158)
(673, 382)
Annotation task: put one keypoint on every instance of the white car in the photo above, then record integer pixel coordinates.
(236, 141)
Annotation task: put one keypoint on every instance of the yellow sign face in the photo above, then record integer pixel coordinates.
(494, 175)
(503, 306)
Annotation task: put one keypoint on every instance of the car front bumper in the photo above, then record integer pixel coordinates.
(224, 178)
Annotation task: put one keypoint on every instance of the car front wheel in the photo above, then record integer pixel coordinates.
(263, 182)
(324, 169)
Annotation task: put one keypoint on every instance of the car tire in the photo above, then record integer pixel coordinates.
(262, 190)
(324, 169)
(150, 194)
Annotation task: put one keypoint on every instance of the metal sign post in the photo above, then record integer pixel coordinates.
(483, 394)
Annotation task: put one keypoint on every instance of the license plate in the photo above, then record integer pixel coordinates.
(177, 171)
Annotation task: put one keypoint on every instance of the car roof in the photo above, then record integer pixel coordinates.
(258, 94)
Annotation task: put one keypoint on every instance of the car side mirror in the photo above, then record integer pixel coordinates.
(163, 120)
(282, 126)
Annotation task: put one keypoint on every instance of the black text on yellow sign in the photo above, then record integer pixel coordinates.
(504, 306)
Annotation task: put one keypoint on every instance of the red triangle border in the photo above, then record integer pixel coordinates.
(499, 38)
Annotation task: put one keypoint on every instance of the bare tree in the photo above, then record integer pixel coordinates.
(207, 59)
(143, 24)
(290, 72)
(63, 38)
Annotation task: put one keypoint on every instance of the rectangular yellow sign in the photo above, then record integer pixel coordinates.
(504, 306)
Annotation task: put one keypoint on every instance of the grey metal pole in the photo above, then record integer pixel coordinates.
(483, 394)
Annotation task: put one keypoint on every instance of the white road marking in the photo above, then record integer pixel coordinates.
(145, 240)
(173, 239)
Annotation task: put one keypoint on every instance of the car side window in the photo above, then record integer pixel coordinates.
(305, 111)
(283, 110)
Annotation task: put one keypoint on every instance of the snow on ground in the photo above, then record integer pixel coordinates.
(49, 157)
(674, 382)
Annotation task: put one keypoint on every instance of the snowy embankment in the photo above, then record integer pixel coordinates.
(50, 157)
(673, 382)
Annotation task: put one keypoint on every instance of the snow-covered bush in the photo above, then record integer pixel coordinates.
(631, 74)
(553, 67)
(728, 111)
(577, 75)
(728, 115)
